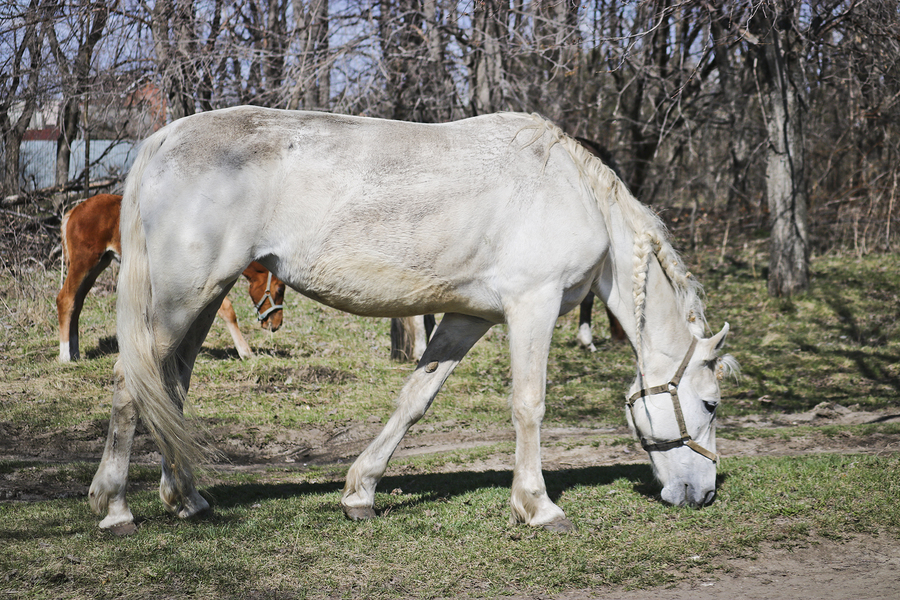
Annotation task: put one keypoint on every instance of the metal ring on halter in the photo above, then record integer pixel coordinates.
(261, 316)
(672, 389)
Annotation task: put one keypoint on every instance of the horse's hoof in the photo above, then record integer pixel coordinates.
(359, 513)
(195, 514)
(560, 526)
(122, 529)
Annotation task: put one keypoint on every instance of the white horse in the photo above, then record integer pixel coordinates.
(495, 219)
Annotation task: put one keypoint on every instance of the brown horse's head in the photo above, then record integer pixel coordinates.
(267, 294)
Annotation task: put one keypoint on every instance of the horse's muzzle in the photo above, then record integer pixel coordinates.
(685, 494)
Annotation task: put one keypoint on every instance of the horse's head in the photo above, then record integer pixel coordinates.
(676, 421)
(267, 294)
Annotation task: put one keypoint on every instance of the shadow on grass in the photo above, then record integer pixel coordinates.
(232, 353)
(105, 346)
(110, 345)
(428, 487)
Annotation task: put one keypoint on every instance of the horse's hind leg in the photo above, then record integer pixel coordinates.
(531, 325)
(454, 337)
(107, 492)
(82, 273)
(176, 487)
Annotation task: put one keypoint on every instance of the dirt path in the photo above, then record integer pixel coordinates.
(864, 567)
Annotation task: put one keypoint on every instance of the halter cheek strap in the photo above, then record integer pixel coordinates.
(672, 389)
(261, 316)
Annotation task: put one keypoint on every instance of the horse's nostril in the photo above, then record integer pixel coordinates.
(708, 499)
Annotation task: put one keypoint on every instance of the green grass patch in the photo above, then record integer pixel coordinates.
(441, 535)
(837, 342)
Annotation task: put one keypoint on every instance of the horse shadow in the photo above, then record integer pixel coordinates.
(429, 487)
(109, 345)
(232, 353)
(105, 346)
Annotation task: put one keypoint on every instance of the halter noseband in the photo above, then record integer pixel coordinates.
(261, 316)
(672, 389)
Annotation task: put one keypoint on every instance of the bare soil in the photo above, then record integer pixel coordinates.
(861, 567)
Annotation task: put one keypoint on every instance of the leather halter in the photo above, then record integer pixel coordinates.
(672, 389)
(261, 316)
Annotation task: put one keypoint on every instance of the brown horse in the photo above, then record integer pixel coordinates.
(90, 242)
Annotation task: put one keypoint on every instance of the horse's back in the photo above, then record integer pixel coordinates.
(373, 216)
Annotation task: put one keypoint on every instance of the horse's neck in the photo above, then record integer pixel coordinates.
(665, 335)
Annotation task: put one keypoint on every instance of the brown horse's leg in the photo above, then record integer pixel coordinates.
(616, 332)
(584, 336)
(68, 331)
(83, 272)
(226, 312)
(107, 493)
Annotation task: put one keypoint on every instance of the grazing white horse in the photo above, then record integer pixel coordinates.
(495, 219)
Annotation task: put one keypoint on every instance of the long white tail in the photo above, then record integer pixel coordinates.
(152, 380)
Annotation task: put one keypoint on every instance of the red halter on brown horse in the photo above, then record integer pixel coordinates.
(90, 241)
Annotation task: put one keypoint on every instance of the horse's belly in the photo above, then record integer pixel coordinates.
(369, 287)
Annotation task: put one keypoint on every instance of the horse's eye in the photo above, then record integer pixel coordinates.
(710, 407)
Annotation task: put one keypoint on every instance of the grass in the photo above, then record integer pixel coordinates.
(280, 533)
(441, 535)
(837, 342)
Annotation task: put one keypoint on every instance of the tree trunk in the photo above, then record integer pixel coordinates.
(174, 41)
(785, 175)
(486, 56)
(68, 119)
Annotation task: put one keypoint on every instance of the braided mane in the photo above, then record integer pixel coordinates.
(651, 239)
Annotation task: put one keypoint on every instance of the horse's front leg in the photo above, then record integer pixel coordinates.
(227, 314)
(454, 337)
(107, 492)
(530, 331)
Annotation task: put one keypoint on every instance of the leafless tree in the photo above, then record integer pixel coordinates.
(312, 76)
(780, 50)
(85, 24)
(20, 86)
(754, 110)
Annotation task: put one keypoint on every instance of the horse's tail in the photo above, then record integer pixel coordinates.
(64, 245)
(151, 379)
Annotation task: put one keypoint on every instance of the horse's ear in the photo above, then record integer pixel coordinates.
(717, 341)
